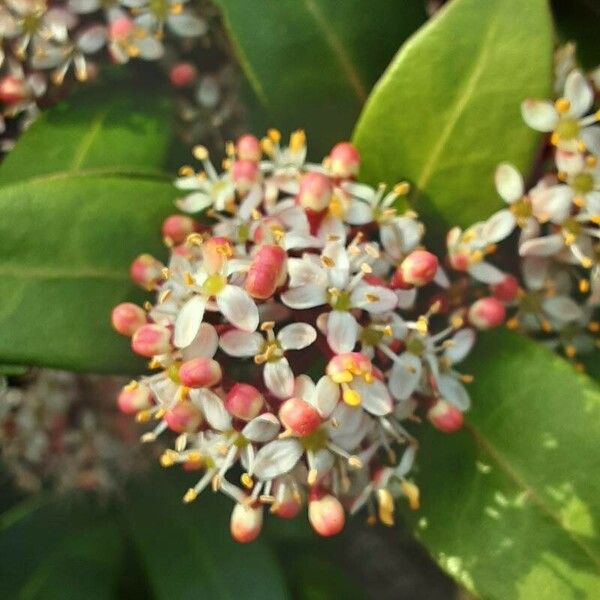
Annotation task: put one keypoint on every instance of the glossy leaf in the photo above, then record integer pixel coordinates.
(187, 550)
(81, 195)
(511, 504)
(446, 111)
(311, 63)
(578, 21)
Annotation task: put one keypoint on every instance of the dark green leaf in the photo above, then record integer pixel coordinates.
(446, 111)
(311, 63)
(511, 505)
(81, 195)
(579, 21)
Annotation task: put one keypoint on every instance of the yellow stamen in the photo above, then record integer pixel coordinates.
(190, 495)
(386, 507)
(411, 491)
(200, 152)
(247, 481)
(562, 105)
(352, 397)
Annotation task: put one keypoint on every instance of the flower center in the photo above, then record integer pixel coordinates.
(338, 299)
(371, 336)
(315, 441)
(583, 183)
(572, 226)
(567, 128)
(521, 209)
(214, 284)
(531, 303)
(415, 346)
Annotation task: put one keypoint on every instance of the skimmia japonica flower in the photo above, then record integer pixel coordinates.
(301, 331)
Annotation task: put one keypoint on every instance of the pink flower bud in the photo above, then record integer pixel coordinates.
(127, 318)
(150, 340)
(183, 417)
(215, 253)
(299, 417)
(267, 272)
(419, 268)
(326, 514)
(248, 148)
(348, 363)
(121, 28)
(487, 313)
(506, 290)
(246, 523)
(244, 401)
(344, 160)
(244, 174)
(200, 372)
(146, 271)
(12, 90)
(315, 192)
(445, 416)
(288, 504)
(183, 74)
(177, 227)
(459, 261)
(133, 399)
(397, 281)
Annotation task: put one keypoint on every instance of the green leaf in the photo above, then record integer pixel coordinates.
(187, 550)
(311, 63)
(81, 195)
(511, 504)
(446, 111)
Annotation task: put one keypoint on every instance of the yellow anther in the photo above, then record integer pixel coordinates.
(327, 261)
(267, 326)
(200, 152)
(312, 477)
(562, 105)
(386, 506)
(594, 326)
(194, 239)
(402, 188)
(164, 295)
(188, 279)
(411, 491)
(368, 377)
(587, 263)
(132, 385)
(274, 135)
(355, 462)
(297, 140)
(422, 325)
(190, 495)
(194, 456)
(154, 363)
(247, 481)
(457, 321)
(546, 325)
(165, 273)
(387, 330)
(342, 377)
(148, 306)
(467, 378)
(372, 297)
(554, 139)
(584, 286)
(168, 458)
(591, 160)
(143, 416)
(570, 350)
(266, 146)
(352, 397)
(512, 323)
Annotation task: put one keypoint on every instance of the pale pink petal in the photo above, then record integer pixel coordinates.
(358, 213)
(569, 162)
(305, 296)
(552, 204)
(238, 308)
(405, 375)
(242, 343)
(373, 298)
(262, 428)
(342, 331)
(304, 388)
(454, 391)
(276, 458)
(214, 410)
(204, 344)
(296, 336)
(542, 246)
(375, 397)
(499, 226)
(539, 114)
(486, 273)
(327, 396)
(303, 271)
(188, 321)
(193, 203)
(279, 378)
(462, 343)
(509, 183)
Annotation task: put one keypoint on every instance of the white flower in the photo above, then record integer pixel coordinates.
(153, 15)
(270, 352)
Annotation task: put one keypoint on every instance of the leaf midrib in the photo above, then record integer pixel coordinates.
(520, 482)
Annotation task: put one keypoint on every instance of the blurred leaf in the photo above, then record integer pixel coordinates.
(187, 550)
(311, 63)
(81, 195)
(511, 504)
(579, 21)
(446, 111)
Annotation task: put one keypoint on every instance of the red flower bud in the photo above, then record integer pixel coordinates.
(487, 313)
(246, 523)
(150, 340)
(133, 399)
(506, 290)
(200, 372)
(177, 227)
(419, 268)
(121, 28)
(12, 90)
(146, 271)
(127, 318)
(299, 417)
(288, 504)
(326, 514)
(183, 417)
(244, 174)
(248, 148)
(267, 272)
(344, 160)
(244, 401)
(315, 191)
(183, 74)
(445, 416)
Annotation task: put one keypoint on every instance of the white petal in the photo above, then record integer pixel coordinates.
(342, 331)
(338, 274)
(262, 428)
(405, 375)
(193, 203)
(486, 273)
(374, 396)
(406, 462)
(552, 204)
(592, 203)
(373, 298)
(358, 213)
(509, 183)
(441, 278)
(327, 396)
(83, 6)
(276, 458)
(242, 343)
(539, 114)
(204, 344)
(579, 93)
(563, 308)
(92, 39)
(454, 392)
(214, 410)
(499, 226)
(238, 308)
(150, 48)
(296, 336)
(304, 388)
(303, 271)
(406, 298)
(591, 138)
(279, 378)
(535, 271)
(542, 246)
(188, 321)
(305, 296)
(186, 24)
(569, 162)
(462, 343)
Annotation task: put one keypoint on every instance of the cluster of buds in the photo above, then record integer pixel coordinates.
(300, 330)
(43, 41)
(58, 432)
(556, 290)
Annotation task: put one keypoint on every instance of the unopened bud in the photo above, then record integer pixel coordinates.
(315, 192)
(506, 290)
(248, 148)
(121, 28)
(215, 253)
(127, 318)
(344, 160)
(184, 417)
(342, 367)
(299, 417)
(133, 399)
(246, 523)
(288, 504)
(267, 272)
(200, 372)
(150, 340)
(244, 174)
(244, 401)
(183, 74)
(178, 227)
(419, 268)
(445, 416)
(487, 313)
(146, 271)
(326, 514)
(12, 90)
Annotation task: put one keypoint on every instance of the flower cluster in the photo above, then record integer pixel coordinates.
(43, 41)
(300, 327)
(558, 218)
(58, 432)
